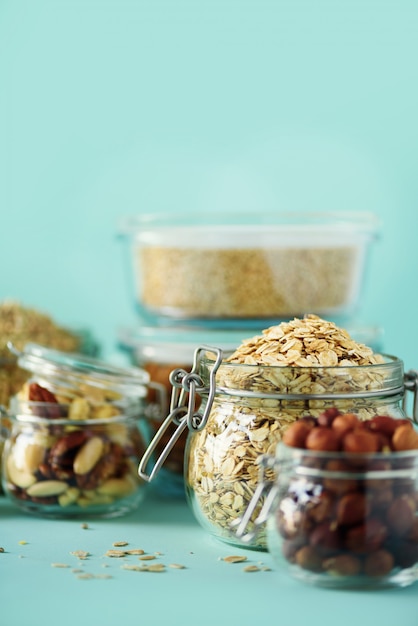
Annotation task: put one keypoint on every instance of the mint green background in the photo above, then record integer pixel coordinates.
(111, 108)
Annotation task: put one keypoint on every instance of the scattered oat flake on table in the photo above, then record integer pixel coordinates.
(23, 543)
(155, 567)
(81, 554)
(234, 559)
(115, 553)
(177, 566)
(135, 551)
(147, 557)
(132, 568)
(120, 544)
(59, 565)
(251, 568)
(85, 576)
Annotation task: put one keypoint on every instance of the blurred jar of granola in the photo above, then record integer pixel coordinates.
(77, 434)
(297, 369)
(20, 325)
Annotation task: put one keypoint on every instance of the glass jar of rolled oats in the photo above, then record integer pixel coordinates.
(294, 370)
(76, 436)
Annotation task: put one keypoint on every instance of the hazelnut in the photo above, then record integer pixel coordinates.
(308, 558)
(405, 438)
(327, 417)
(400, 515)
(352, 508)
(378, 563)
(325, 538)
(322, 440)
(339, 485)
(360, 442)
(320, 507)
(367, 537)
(383, 424)
(295, 435)
(290, 547)
(343, 565)
(342, 424)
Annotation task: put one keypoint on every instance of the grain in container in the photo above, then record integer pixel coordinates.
(295, 369)
(76, 435)
(340, 509)
(258, 265)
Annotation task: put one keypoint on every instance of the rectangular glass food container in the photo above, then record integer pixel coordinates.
(248, 265)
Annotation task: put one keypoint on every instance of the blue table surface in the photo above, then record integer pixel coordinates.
(208, 590)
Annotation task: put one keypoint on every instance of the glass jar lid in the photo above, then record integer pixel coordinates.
(50, 363)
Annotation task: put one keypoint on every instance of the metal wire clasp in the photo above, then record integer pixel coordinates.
(183, 413)
(411, 384)
(264, 487)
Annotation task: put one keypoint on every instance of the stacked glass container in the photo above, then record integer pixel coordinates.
(219, 278)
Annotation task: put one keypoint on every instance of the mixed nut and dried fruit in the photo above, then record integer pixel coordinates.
(350, 506)
(298, 360)
(69, 453)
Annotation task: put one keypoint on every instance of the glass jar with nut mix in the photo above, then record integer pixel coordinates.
(293, 370)
(76, 436)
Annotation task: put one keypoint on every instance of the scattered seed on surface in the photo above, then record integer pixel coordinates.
(147, 557)
(2, 550)
(234, 559)
(120, 544)
(136, 551)
(85, 526)
(155, 567)
(251, 568)
(177, 566)
(80, 554)
(115, 553)
(23, 543)
(133, 568)
(59, 565)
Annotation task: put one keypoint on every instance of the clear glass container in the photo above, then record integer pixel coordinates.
(248, 266)
(244, 411)
(345, 520)
(76, 436)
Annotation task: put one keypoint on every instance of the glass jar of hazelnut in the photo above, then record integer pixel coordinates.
(342, 508)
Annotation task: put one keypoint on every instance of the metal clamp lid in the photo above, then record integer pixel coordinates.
(411, 384)
(183, 408)
(264, 487)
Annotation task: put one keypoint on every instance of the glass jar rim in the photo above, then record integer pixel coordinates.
(37, 413)
(300, 460)
(361, 221)
(391, 373)
(47, 361)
